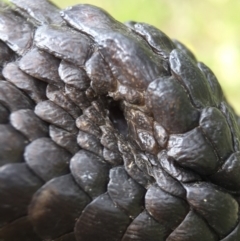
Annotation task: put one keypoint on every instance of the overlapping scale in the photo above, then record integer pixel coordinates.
(43, 12)
(56, 206)
(110, 132)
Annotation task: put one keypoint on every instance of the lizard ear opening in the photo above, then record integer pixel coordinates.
(117, 117)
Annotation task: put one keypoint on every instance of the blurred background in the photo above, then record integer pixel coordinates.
(210, 28)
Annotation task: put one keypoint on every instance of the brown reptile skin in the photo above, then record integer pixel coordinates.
(110, 132)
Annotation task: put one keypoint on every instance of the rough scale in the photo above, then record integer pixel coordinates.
(110, 132)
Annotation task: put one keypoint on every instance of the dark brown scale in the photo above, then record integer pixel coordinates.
(131, 166)
(13, 98)
(46, 159)
(160, 134)
(165, 208)
(167, 183)
(213, 82)
(108, 228)
(57, 95)
(92, 20)
(94, 115)
(108, 138)
(233, 124)
(171, 167)
(184, 49)
(147, 142)
(10, 139)
(143, 163)
(171, 105)
(141, 120)
(192, 150)
(129, 94)
(191, 78)
(90, 172)
(41, 12)
(158, 40)
(19, 40)
(234, 235)
(112, 157)
(101, 81)
(34, 88)
(36, 64)
(185, 231)
(89, 142)
(87, 125)
(6, 55)
(27, 122)
(144, 227)
(110, 132)
(110, 33)
(64, 138)
(130, 202)
(12, 184)
(68, 45)
(54, 196)
(198, 196)
(77, 96)
(19, 229)
(90, 94)
(230, 172)
(126, 66)
(215, 127)
(73, 76)
(53, 114)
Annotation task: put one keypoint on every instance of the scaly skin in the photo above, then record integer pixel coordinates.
(110, 132)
